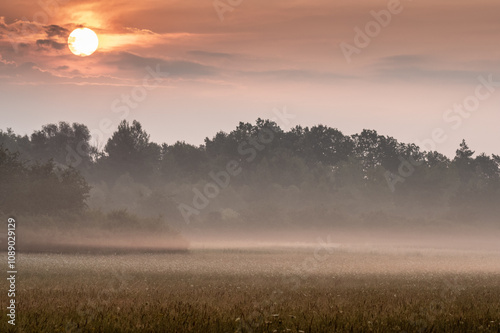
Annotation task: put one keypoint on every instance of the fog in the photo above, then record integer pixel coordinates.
(256, 186)
(467, 239)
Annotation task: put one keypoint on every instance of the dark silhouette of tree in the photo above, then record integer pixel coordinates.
(464, 163)
(63, 143)
(130, 151)
(39, 188)
(487, 168)
(436, 159)
(264, 137)
(181, 160)
(16, 143)
(322, 144)
(374, 150)
(221, 146)
(12, 178)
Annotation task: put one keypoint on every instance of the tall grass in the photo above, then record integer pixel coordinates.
(253, 292)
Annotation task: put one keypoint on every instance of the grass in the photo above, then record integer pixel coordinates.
(267, 291)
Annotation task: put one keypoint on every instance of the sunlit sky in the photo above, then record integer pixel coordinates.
(221, 64)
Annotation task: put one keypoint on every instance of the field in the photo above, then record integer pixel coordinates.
(337, 289)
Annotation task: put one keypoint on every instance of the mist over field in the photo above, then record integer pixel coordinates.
(257, 184)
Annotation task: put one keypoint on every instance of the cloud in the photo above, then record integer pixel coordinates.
(175, 68)
(412, 67)
(412, 73)
(24, 72)
(47, 43)
(298, 75)
(403, 59)
(25, 38)
(30, 73)
(6, 63)
(55, 30)
(211, 54)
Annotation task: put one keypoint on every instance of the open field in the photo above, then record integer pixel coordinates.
(259, 290)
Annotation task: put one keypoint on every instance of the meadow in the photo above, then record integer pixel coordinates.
(259, 290)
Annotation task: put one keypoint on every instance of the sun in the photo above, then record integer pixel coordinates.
(83, 42)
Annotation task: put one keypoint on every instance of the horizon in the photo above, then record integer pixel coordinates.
(424, 145)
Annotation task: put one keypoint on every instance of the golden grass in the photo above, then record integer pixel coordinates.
(266, 291)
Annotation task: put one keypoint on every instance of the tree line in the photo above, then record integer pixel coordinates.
(316, 170)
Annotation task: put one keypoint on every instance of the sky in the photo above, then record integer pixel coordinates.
(421, 71)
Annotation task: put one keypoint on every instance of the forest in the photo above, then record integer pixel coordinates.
(256, 175)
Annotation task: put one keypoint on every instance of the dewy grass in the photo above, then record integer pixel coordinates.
(268, 291)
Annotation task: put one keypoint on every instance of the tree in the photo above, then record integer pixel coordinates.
(182, 160)
(374, 150)
(39, 188)
(325, 144)
(263, 136)
(464, 163)
(487, 168)
(16, 143)
(130, 151)
(12, 178)
(63, 143)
